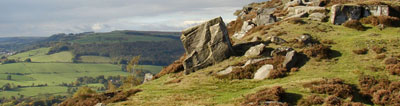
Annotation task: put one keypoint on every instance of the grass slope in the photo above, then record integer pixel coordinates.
(117, 37)
(201, 88)
(40, 55)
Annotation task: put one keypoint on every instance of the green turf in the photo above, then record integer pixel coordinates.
(54, 74)
(95, 59)
(40, 55)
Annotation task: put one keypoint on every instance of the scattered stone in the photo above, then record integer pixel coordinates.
(253, 61)
(227, 70)
(305, 39)
(255, 39)
(293, 3)
(311, 2)
(265, 19)
(290, 60)
(263, 72)
(206, 44)
(276, 40)
(147, 77)
(247, 25)
(376, 10)
(317, 17)
(255, 50)
(100, 104)
(301, 10)
(281, 51)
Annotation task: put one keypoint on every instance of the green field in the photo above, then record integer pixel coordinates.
(40, 55)
(115, 37)
(54, 74)
(95, 59)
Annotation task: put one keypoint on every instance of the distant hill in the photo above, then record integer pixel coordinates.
(17, 43)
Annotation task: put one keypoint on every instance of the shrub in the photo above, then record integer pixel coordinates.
(106, 98)
(394, 69)
(334, 86)
(83, 92)
(277, 73)
(380, 56)
(311, 100)
(361, 51)
(318, 51)
(333, 101)
(381, 97)
(175, 67)
(268, 94)
(378, 50)
(385, 20)
(354, 24)
(391, 60)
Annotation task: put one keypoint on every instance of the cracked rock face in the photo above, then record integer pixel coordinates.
(205, 45)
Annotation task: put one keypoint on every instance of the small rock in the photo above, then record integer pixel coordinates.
(305, 39)
(276, 40)
(227, 70)
(100, 104)
(247, 25)
(263, 72)
(147, 77)
(255, 39)
(281, 51)
(255, 50)
(317, 17)
(290, 60)
(253, 61)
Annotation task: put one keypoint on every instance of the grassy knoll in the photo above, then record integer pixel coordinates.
(54, 74)
(40, 55)
(201, 88)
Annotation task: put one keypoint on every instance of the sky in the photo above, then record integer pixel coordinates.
(47, 17)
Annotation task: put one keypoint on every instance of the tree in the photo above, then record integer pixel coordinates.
(111, 87)
(133, 64)
(28, 60)
(83, 91)
(9, 77)
(130, 81)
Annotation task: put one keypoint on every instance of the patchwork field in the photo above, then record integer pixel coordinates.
(40, 55)
(53, 74)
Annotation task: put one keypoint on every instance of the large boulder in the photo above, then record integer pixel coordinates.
(263, 72)
(376, 10)
(206, 44)
(342, 13)
(255, 50)
(265, 17)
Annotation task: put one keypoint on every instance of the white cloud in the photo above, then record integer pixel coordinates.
(46, 17)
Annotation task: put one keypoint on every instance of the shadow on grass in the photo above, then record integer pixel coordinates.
(359, 97)
(292, 98)
(240, 49)
(334, 54)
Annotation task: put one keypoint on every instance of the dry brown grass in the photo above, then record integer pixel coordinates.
(361, 51)
(380, 56)
(311, 100)
(394, 69)
(334, 86)
(391, 60)
(318, 51)
(277, 73)
(262, 28)
(382, 91)
(106, 98)
(354, 24)
(378, 50)
(268, 94)
(175, 67)
(385, 20)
